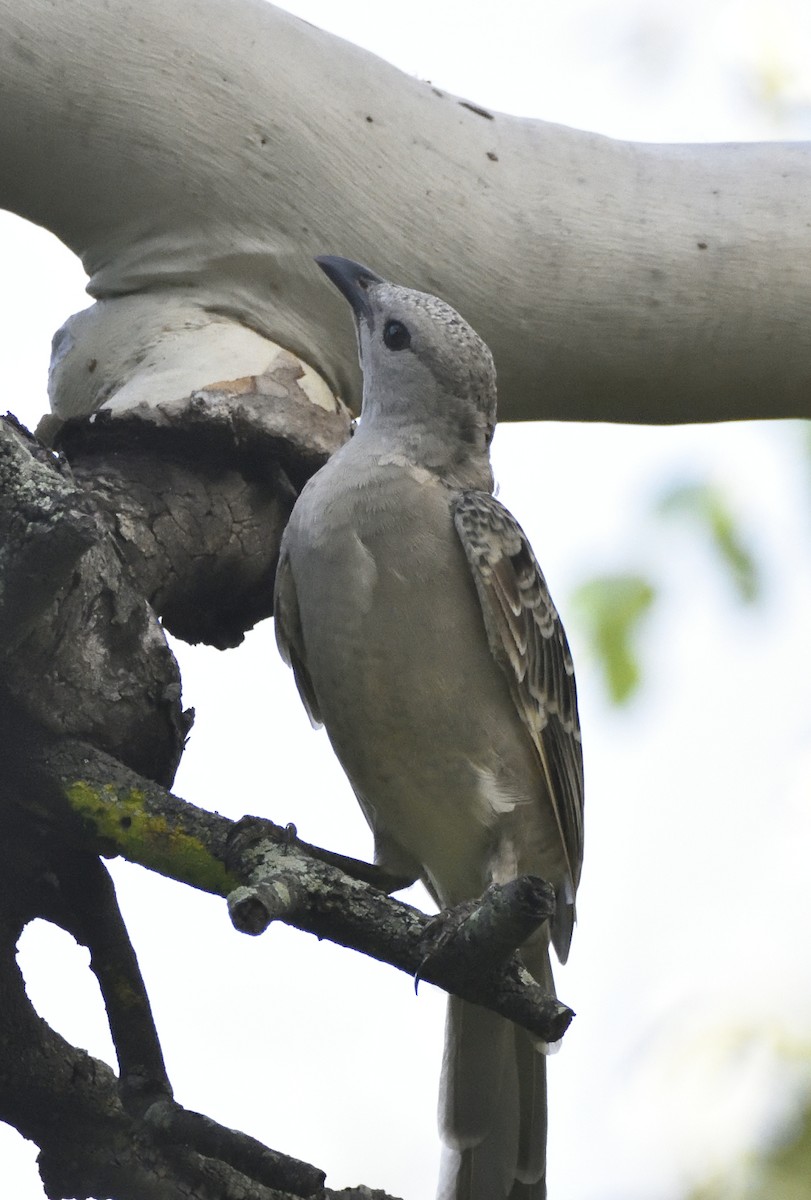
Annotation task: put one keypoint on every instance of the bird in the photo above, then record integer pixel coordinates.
(422, 635)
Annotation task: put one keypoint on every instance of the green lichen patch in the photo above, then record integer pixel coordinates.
(123, 823)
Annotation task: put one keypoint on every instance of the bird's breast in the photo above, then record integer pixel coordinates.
(415, 705)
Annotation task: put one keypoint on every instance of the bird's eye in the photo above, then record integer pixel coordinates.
(396, 336)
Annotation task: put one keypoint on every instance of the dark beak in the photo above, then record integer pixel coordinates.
(352, 281)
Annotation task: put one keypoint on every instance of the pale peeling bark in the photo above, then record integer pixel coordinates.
(198, 154)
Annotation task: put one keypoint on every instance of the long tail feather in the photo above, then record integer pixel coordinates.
(493, 1104)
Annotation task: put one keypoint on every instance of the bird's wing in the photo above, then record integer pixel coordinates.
(527, 640)
(289, 638)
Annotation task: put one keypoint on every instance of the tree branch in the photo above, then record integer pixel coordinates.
(595, 269)
(94, 1142)
(175, 1126)
(270, 875)
(102, 1136)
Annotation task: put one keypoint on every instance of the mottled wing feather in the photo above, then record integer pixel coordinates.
(289, 638)
(528, 641)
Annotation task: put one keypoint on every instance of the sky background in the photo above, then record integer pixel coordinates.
(693, 1006)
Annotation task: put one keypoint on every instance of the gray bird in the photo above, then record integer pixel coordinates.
(422, 635)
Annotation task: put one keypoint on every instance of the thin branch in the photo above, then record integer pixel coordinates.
(471, 958)
(485, 934)
(94, 1141)
(96, 922)
(125, 814)
(69, 1104)
(173, 1125)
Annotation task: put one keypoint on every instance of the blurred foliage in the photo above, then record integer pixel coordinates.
(787, 1173)
(782, 1171)
(775, 78)
(708, 508)
(610, 610)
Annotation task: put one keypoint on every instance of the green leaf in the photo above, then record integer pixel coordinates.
(707, 507)
(610, 610)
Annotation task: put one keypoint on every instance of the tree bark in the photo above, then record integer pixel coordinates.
(196, 156)
(81, 651)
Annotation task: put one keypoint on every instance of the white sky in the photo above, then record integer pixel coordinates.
(696, 888)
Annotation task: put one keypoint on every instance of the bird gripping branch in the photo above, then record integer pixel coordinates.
(422, 636)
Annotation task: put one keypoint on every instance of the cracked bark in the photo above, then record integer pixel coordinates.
(92, 729)
(87, 655)
(196, 494)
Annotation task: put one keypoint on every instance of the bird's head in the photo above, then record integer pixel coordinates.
(423, 366)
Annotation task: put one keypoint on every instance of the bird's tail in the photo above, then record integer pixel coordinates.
(493, 1104)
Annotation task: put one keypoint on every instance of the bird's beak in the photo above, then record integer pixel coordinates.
(352, 281)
